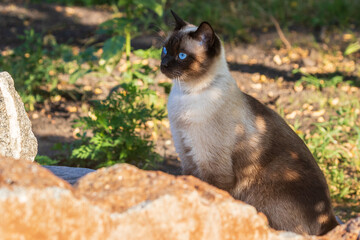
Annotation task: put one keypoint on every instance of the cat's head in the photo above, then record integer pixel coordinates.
(190, 51)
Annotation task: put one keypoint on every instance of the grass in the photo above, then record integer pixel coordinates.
(334, 139)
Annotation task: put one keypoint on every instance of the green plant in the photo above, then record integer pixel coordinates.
(45, 160)
(117, 127)
(319, 83)
(116, 131)
(35, 66)
(123, 29)
(120, 31)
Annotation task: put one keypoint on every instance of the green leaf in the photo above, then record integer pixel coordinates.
(143, 77)
(344, 191)
(148, 53)
(352, 48)
(122, 3)
(78, 74)
(113, 47)
(114, 26)
(151, 4)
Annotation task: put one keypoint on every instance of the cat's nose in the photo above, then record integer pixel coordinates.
(165, 61)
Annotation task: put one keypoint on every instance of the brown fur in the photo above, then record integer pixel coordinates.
(281, 177)
(231, 140)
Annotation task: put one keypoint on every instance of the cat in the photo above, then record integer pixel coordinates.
(232, 141)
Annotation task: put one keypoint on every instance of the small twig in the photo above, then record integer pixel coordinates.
(277, 26)
(280, 32)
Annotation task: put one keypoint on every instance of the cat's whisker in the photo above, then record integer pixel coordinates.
(179, 83)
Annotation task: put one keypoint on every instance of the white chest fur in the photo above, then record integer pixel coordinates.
(204, 121)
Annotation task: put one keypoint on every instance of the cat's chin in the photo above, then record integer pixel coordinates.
(171, 75)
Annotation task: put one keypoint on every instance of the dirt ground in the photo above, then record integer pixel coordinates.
(261, 69)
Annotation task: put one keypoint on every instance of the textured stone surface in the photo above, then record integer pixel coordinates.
(347, 231)
(69, 174)
(35, 204)
(16, 137)
(155, 205)
(123, 186)
(123, 202)
(17, 173)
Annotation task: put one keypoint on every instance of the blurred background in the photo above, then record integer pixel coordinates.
(88, 74)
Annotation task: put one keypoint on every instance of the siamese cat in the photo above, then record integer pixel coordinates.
(232, 141)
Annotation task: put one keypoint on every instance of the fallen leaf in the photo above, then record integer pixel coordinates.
(321, 119)
(263, 78)
(347, 37)
(252, 61)
(75, 132)
(87, 88)
(255, 77)
(56, 98)
(230, 58)
(292, 115)
(71, 109)
(256, 86)
(165, 123)
(123, 67)
(69, 11)
(335, 101)
(98, 91)
(298, 88)
(149, 124)
(277, 60)
(35, 116)
(58, 8)
(318, 113)
(92, 116)
(285, 60)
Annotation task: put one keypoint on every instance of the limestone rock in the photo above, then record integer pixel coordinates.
(35, 204)
(69, 174)
(123, 186)
(123, 202)
(347, 231)
(17, 173)
(155, 205)
(16, 137)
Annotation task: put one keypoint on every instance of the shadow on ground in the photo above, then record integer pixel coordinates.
(287, 75)
(46, 19)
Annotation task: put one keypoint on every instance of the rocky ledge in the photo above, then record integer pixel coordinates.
(123, 202)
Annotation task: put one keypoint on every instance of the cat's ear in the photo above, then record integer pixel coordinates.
(205, 34)
(178, 21)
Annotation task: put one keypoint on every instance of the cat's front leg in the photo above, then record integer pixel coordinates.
(188, 166)
(217, 174)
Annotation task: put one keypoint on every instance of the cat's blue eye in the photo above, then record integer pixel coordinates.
(182, 56)
(164, 50)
